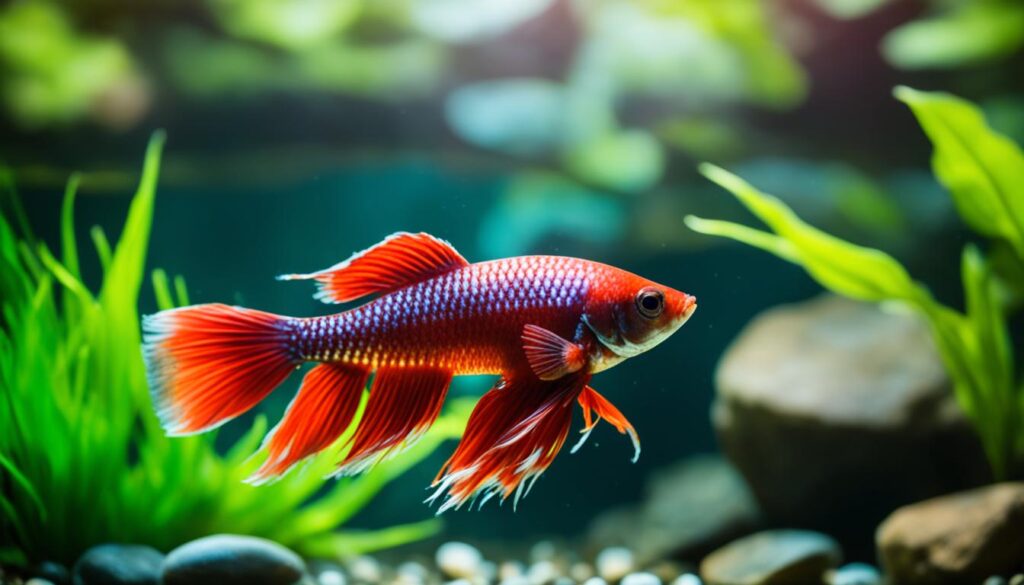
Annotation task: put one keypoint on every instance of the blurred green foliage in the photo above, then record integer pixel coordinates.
(83, 459)
(984, 173)
(52, 73)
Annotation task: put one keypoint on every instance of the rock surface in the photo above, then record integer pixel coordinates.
(690, 509)
(837, 413)
(118, 564)
(959, 538)
(772, 557)
(226, 559)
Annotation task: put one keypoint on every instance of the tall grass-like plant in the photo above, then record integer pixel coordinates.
(83, 459)
(984, 173)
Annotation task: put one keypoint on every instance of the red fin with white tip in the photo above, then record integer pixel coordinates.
(512, 436)
(400, 260)
(403, 403)
(590, 401)
(551, 356)
(207, 364)
(319, 414)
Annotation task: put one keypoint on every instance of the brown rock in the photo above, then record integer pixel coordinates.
(691, 508)
(773, 557)
(960, 538)
(837, 413)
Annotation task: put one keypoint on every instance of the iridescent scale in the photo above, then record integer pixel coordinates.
(468, 321)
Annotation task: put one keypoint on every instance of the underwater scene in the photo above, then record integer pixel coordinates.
(512, 292)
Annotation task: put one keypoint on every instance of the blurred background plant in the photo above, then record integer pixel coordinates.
(984, 173)
(83, 459)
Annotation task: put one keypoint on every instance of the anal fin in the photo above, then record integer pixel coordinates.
(324, 407)
(403, 403)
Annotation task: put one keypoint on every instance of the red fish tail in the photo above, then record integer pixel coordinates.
(513, 435)
(207, 364)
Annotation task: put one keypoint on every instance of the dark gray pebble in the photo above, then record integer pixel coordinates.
(227, 559)
(118, 564)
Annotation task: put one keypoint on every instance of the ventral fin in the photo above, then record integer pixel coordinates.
(595, 407)
(551, 356)
(400, 260)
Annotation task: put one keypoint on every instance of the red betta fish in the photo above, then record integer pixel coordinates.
(545, 324)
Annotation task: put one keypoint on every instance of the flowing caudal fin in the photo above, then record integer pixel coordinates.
(319, 414)
(400, 260)
(512, 436)
(403, 403)
(593, 404)
(207, 364)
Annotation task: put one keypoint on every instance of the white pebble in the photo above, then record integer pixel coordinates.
(580, 572)
(544, 550)
(595, 581)
(687, 579)
(510, 570)
(515, 580)
(614, 563)
(543, 572)
(459, 560)
(365, 569)
(37, 581)
(331, 577)
(641, 578)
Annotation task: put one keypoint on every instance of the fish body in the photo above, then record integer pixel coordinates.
(545, 324)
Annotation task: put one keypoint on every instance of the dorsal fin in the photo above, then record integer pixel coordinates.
(400, 260)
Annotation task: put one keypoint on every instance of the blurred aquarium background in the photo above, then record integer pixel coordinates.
(300, 131)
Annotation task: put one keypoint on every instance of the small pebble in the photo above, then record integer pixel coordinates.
(365, 569)
(544, 550)
(595, 581)
(687, 579)
(580, 572)
(54, 572)
(642, 578)
(510, 570)
(614, 563)
(1017, 579)
(331, 577)
(515, 580)
(855, 574)
(564, 581)
(38, 581)
(995, 580)
(459, 560)
(542, 573)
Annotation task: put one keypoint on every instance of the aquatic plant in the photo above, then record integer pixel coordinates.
(984, 173)
(83, 459)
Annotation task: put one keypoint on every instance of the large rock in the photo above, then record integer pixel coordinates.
(690, 509)
(227, 559)
(837, 413)
(118, 564)
(959, 538)
(773, 557)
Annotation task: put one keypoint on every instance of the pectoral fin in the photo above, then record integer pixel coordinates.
(550, 356)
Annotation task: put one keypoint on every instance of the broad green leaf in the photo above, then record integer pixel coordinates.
(982, 169)
(967, 33)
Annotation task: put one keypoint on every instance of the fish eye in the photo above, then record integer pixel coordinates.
(650, 302)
